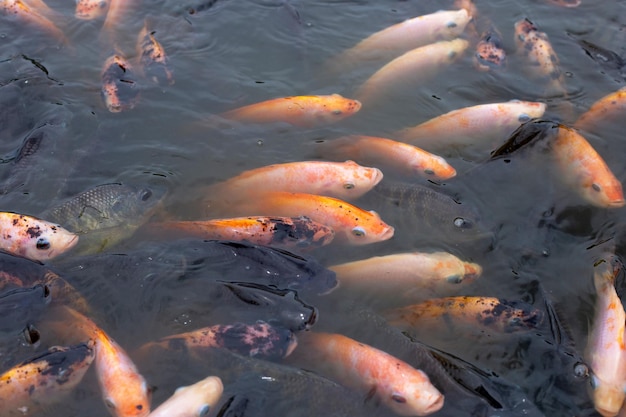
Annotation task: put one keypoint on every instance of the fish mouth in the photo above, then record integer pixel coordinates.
(434, 406)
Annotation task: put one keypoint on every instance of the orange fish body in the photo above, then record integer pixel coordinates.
(301, 111)
(405, 271)
(22, 12)
(609, 109)
(195, 400)
(416, 66)
(399, 157)
(402, 37)
(486, 124)
(584, 169)
(350, 223)
(473, 311)
(566, 3)
(113, 21)
(543, 63)
(404, 389)
(119, 90)
(33, 238)
(606, 349)
(124, 390)
(346, 180)
(152, 57)
(286, 232)
(91, 9)
(44, 380)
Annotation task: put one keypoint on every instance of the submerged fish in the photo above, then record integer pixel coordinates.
(350, 223)
(257, 340)
(119, 85)
(34, 238)
(196, 400)
(402, 37)
(44, 379)
(19, 307)
(606, 348)
(24, 161)
(609, 109)
(345, 180)
(23, 13)
(489, 312)
(402, 388)
(299, 233)
(390, 155)
(416, 66)
(105, 214)
(302, 111)
(481, 126)
(153, 59)
(91, 9)
(585, 171)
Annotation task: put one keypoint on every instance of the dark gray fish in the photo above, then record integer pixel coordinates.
(527, 135)
(426, 213)
(104, 215)
(21, 306)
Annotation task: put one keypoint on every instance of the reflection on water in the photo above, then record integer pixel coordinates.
(227, 54)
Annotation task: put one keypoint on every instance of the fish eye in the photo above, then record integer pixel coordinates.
(337, 112)
(451, 25)
(204, 410)
(102, 4)
(358, 231)
(461, 223)
(581, 370)
(109, 403)
(145, 194)
(454, 279)
(596, 187)
(451, 54)
(429, 171)
(348, 186)
(398, 398)
(43, 244)
(523, 118)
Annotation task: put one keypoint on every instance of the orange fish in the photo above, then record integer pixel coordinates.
(543, 63)
(286, 232)
(152, 57)
(483, 124)
(91, 9)
(606, 349)
(301, 111)
(44, 379)
(402, 37)
(33, 238)
(584, 169)
(196, 400)
(566, 3)
(489, 312)
(350, 223)
(402, 388)
(416, 66)
(119, 89)
(398, 157)
(112, 24)
(124, 390)
(259, 340)
(20, 11)
(346, 180)
(609, 109)
(405, 271)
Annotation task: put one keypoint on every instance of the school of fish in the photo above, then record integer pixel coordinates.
(252, 318)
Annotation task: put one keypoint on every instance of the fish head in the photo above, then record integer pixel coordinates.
(369, 228)
(91, 9)
(130, 400)
(202, 395)
(435, 167)
(356, 180)
(455, 26)
(602, 189)
(413, 395)
(49, 241)
(456, 49)
(336, 107)
(607, 398)
(522, 28)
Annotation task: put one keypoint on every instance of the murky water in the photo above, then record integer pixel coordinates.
(226, 54)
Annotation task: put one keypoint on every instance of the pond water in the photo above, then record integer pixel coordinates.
(226, 54)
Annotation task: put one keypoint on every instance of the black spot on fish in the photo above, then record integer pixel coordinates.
(33, 232)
